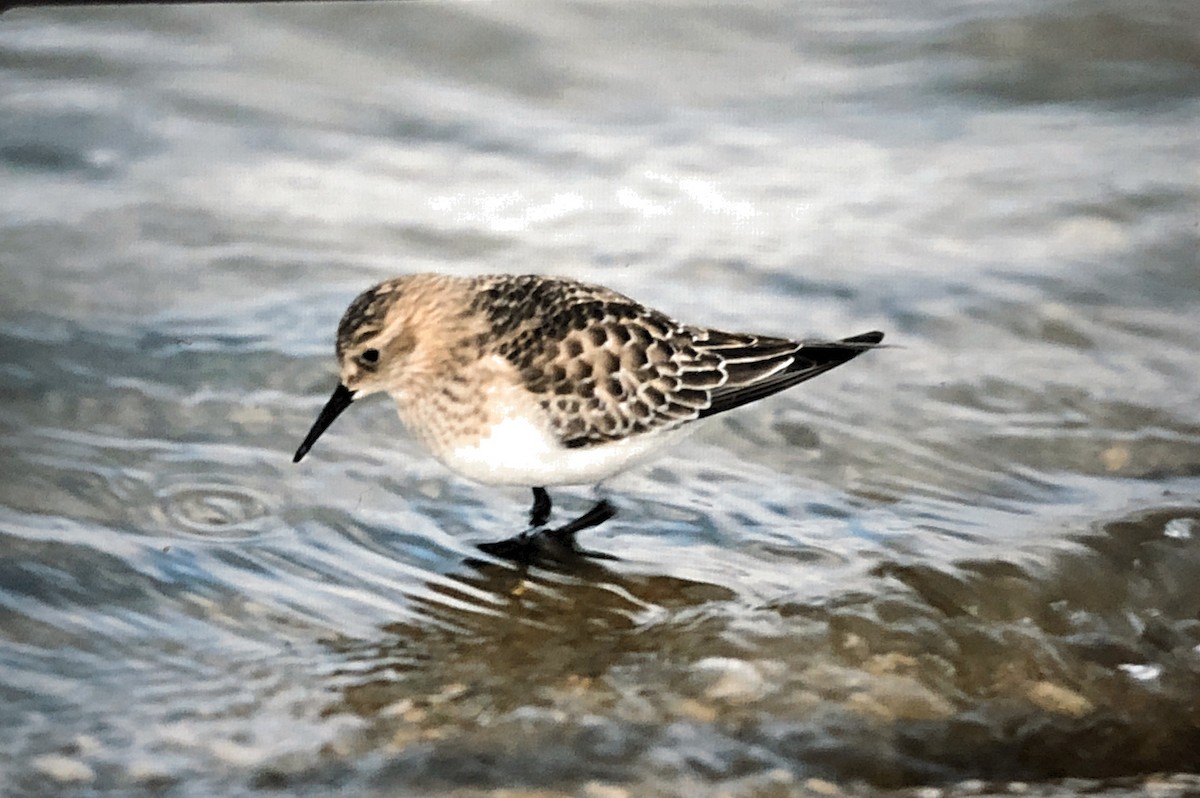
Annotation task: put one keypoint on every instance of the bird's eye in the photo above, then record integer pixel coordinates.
(369, 356)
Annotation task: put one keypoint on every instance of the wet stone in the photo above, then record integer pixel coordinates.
(731, 680)
(1059, 699)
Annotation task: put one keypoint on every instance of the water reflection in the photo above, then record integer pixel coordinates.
(993, 669)
(507, 632)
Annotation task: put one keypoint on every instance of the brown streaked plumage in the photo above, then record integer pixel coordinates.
(543, 381)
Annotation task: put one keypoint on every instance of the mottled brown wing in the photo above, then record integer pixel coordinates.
(606, 367)
(603, 366)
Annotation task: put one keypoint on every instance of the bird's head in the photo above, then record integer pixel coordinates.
(375, 341)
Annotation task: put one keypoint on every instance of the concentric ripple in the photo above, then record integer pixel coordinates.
(211, 511)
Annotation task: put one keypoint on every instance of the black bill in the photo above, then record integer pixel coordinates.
(341, 399)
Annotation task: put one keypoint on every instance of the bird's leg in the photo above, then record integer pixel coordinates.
(565, 534)
(539, 514)
(536, 545)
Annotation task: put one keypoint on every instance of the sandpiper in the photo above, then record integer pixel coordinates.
(540, 381)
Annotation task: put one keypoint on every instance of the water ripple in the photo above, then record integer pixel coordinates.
(973, 554)
(212, 512)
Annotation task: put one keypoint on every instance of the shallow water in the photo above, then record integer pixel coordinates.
(972, 557)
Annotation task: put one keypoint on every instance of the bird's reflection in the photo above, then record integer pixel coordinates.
(502, 632)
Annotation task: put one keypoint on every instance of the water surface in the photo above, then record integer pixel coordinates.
(970, 559)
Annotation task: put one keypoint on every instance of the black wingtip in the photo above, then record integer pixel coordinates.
(811, 359)
(873, 337)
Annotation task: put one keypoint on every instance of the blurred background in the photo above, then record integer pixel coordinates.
(968, 562)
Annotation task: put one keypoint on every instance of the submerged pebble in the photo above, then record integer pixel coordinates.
(64, 769)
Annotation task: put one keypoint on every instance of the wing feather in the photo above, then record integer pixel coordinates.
(604, 367)
(806, 361)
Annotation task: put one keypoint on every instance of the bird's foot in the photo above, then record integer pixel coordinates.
(540, 547)
(557, 544)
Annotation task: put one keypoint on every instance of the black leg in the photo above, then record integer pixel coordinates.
(539, 514)
(593, 517)
(564, 536)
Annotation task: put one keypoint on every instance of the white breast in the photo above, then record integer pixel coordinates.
(519, 451)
